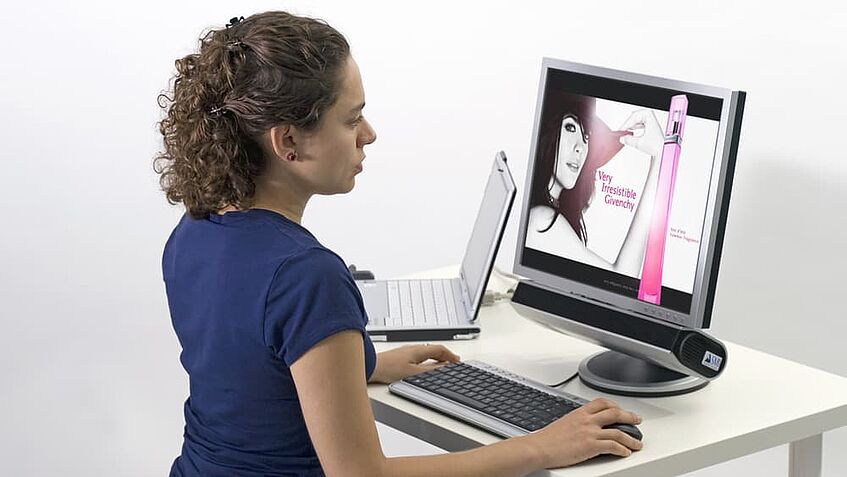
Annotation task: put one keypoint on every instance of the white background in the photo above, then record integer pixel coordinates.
(91, 383)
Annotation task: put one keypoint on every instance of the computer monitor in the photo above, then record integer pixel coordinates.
(626, 198)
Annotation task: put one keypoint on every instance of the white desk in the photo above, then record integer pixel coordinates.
(760, 401)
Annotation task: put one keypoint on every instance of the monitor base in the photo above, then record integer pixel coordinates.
(618, 373)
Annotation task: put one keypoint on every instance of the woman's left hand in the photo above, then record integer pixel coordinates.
(398, 363)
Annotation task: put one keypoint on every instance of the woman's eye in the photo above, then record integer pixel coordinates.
(570, 127)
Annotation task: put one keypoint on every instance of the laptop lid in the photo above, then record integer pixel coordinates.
(487, 233)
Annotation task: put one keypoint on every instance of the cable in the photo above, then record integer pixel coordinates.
(491, 297)
(566, 381)
(506, 274)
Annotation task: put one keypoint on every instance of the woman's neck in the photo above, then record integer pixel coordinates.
(554, 188)
(281, 197)
(291, 213)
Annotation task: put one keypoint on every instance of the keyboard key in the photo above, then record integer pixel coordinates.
(394, 300)
(460, 398)
(428, 303)
(451, 303)
(417, 302)
(405, 302)
(440, 301)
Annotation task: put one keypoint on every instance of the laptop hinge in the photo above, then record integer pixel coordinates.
(466, 300)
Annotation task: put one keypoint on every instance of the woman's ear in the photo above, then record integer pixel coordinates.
(281, 142)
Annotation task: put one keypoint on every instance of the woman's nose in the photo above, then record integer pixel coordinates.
(369, 135)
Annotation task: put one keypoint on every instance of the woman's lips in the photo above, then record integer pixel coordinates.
(573, 166)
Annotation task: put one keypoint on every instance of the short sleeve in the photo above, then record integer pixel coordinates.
(312, 296)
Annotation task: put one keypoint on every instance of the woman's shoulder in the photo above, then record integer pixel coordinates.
(549, 232)
(314, 260)
(541, 213)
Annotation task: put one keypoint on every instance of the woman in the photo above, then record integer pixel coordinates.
(267, 114)
(573, 144)
(559, 182)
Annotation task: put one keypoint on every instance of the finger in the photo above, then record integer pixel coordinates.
(422, 353)
(615, 415)
(448, 355)
(630, 140)
(598, 405)
(614, 448)
(620, 436)
(430, 366)
(413, 369)
(638, 118)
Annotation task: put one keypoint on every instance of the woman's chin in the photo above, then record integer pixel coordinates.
(339, 188)
(349, 186)
(568, 179)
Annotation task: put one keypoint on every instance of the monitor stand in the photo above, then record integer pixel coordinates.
(618, 373)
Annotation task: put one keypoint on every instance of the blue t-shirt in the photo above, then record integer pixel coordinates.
(249, 292)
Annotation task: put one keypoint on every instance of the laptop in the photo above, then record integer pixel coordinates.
(445, 309)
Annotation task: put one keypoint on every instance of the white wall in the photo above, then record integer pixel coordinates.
(88, 361)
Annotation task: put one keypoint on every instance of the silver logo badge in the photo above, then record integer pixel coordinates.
(712, 361)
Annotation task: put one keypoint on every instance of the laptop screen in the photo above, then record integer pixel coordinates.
(487, 232)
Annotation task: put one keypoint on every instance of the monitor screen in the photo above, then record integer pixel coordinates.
(625, 178)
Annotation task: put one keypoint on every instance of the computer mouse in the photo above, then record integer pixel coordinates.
(627, 428)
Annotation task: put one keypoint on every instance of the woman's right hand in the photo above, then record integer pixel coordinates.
(579, 435)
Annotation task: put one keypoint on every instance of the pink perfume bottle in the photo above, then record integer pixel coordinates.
(650, 288)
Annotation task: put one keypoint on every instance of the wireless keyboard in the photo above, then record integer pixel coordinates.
(491, 398)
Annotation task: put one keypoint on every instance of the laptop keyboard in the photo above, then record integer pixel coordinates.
(495, 395)
(421, 303)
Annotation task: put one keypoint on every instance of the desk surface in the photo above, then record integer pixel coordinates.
(760, 401)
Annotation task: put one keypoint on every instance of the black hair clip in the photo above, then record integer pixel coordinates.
(234, 21)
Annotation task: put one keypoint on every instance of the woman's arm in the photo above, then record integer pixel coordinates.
(632, 251)
(650, 143)
(333, 397)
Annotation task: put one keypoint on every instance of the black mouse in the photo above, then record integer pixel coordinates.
(627, 428)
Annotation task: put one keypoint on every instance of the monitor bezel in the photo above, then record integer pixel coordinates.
(715, 215)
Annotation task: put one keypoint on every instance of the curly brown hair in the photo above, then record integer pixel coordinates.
(272, 68)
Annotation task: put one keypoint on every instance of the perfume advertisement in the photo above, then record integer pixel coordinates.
(623, 188)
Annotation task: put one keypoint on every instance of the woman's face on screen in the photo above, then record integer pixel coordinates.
(573, 149)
